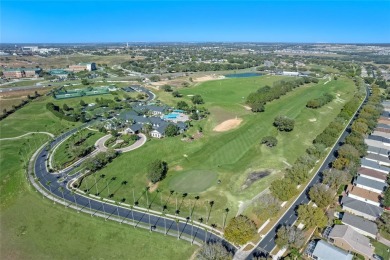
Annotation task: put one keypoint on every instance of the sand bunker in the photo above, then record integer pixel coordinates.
(227, 125)
(313, 119)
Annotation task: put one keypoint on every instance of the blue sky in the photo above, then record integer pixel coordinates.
(27, 21)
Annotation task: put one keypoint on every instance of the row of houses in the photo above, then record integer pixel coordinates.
(361, 202)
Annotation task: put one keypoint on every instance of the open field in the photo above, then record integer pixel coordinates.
(231, 155)
(34, 228)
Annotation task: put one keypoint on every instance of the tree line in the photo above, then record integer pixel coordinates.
(15, 108)
(321, 101)
(257, 100)
(284, 189)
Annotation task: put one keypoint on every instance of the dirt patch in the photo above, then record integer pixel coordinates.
(313, 119)
(153, 187)
(255, 176)
(178, 168)
(228, 125)
(208, 77)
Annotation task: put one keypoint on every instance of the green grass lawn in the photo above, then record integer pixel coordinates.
(381, 249)
(34, 117)
(33, 228)
(230, 155)
(63, 155)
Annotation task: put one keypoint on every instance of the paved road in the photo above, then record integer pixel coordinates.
(267, 244)
(140, 142)
(60, 191)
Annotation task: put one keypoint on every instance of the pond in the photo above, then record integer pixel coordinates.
(243, 75)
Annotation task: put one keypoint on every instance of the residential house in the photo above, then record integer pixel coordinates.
(370, 185)
(374, 166)
(322, 250)
(372, 174)
(381, 160)
(348, 239)
(382, 134)
(382, 129)
(361, 225)
(377, 141)
(364, 195)
(384, 120)
(134, 129)
(361, 208)
(379, 151)
(159, 132)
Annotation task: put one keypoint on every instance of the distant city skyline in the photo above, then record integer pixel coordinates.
(24, 21)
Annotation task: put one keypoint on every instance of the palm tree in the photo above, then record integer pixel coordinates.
(211, 203)
(193, 208)
(225, 217)
(205, 229)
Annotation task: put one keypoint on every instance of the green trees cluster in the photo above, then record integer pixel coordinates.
(269, 141)
(311, 216)
(258, 99)
(240, 230)
(215, 251)
(171, 130)
(197, 99)
(321, 101)
(157, 170)
(100, 160)
(30, 98)
(283, 123)
(283, 189)
(167, 88)
(290, 236)
(58, 112)
(321, 195)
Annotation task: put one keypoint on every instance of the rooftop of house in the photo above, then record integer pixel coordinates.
(360, 223)
(358, 242)
(361, 206)
(363, 193)
(377, 157)
(379, 138)
(377, 150)
(370, 183)
(372, 173)
(326, 251)
(383, 125)
(375, 165)
(379, 133)
(382, 129)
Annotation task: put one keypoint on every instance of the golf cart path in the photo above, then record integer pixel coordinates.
(29, 133)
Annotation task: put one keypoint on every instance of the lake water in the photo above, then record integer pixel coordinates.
(243, 75)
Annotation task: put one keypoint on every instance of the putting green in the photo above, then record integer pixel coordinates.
(193, 181)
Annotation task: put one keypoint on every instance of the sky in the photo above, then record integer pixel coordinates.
(88, 21)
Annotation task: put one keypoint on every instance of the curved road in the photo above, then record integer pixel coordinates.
(57, 185)
(267, 244)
